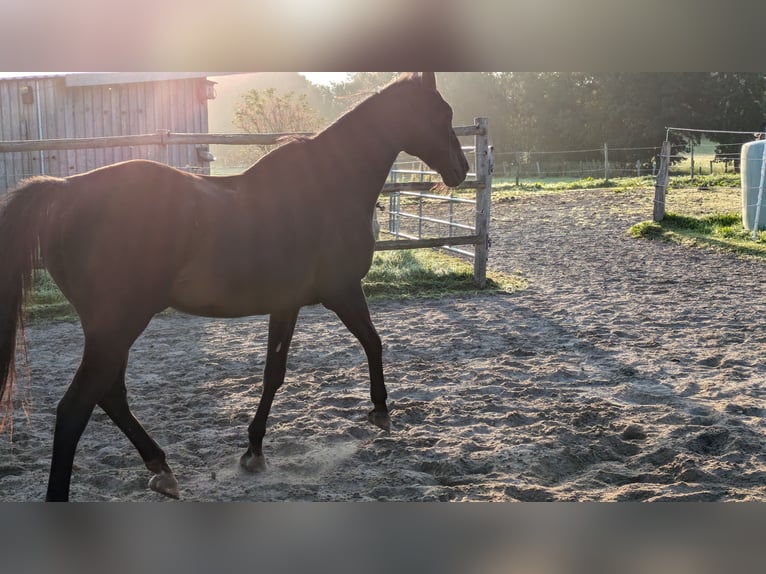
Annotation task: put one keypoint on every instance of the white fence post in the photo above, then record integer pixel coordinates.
(483, 203)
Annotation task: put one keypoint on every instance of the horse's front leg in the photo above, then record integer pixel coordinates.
(281, 327)
(351, 307)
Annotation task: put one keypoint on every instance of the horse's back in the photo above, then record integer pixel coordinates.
(119, 233)
(152, 236)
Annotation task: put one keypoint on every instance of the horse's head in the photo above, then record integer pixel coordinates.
(428, 132)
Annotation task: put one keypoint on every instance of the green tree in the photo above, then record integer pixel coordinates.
(268, 111)
(739, 104)
(479, 94)
(629, 111)
(341, 97)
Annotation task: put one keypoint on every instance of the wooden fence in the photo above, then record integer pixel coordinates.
(661, 185)
(481, 180)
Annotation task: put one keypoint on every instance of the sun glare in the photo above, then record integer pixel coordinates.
(325, 78)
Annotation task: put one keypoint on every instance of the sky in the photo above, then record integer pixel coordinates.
(325, 78)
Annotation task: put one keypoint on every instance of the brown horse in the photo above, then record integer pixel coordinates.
(126, 241)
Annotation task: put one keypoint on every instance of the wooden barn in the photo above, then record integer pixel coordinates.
(90, 105)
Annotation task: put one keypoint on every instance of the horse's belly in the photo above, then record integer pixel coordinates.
(213, 298)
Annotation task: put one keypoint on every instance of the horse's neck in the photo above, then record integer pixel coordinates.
(363, 144)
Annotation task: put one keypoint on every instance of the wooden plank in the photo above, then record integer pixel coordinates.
(389, 245)
(88, 93)
(140, 111)
(98, 123)
(106, 116)
(55, 126)
(427, 186)
(185, 125)
(150, 94)
(81, 161)
(177, 114)
(143, 139)
(27, 120)
(204, 123)
(483, 205)
(114, 78)
(49, 126)
(116, 122)
(6, 160)
(192, 122)
(178, 139)
(69, 99)
(661, 184)
(14, 124)
(474, 130)
(127, 151)
(4, 184)
(232, 139)
(3, 175)
(32, 122)
(134, 121)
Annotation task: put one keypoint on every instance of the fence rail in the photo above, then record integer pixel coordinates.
(165, 137)
(481, 181)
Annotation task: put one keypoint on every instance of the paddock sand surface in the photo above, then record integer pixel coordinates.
(628, 370)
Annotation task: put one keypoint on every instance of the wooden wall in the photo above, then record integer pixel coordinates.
(54, 110)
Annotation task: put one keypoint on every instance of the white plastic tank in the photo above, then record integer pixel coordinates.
(750, 172)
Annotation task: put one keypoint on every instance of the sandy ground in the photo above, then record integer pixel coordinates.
(628, 370)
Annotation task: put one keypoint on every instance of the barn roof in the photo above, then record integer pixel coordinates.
(29, 75)
(106, 78)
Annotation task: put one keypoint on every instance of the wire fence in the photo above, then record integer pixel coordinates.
(692, 158)
(576, 163)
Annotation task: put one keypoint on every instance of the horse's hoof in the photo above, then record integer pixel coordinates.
(165, 483)
(253, 463)
(380, 419)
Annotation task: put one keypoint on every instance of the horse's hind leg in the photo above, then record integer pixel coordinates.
(351, 308)
(115, 404)
(100, 367)
(281, 327)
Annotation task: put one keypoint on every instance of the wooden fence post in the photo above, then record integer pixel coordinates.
(606, 162)
(483, 203)
(163, 147)
(661, 184)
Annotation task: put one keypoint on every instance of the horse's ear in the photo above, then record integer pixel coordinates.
(428, 79)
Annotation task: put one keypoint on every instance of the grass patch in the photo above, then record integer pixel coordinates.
(722, 231)
(646, 230)
(501, 186)
(704, 181)
(46, 302)
(429, 273)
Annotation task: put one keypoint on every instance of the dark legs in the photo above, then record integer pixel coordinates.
(99, 369)
(115, 404)
(281, 327)
(100, 380)
(351, 308)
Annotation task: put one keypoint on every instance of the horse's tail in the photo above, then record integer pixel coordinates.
(23, 218)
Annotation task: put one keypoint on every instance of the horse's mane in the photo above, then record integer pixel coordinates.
(363, 95)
